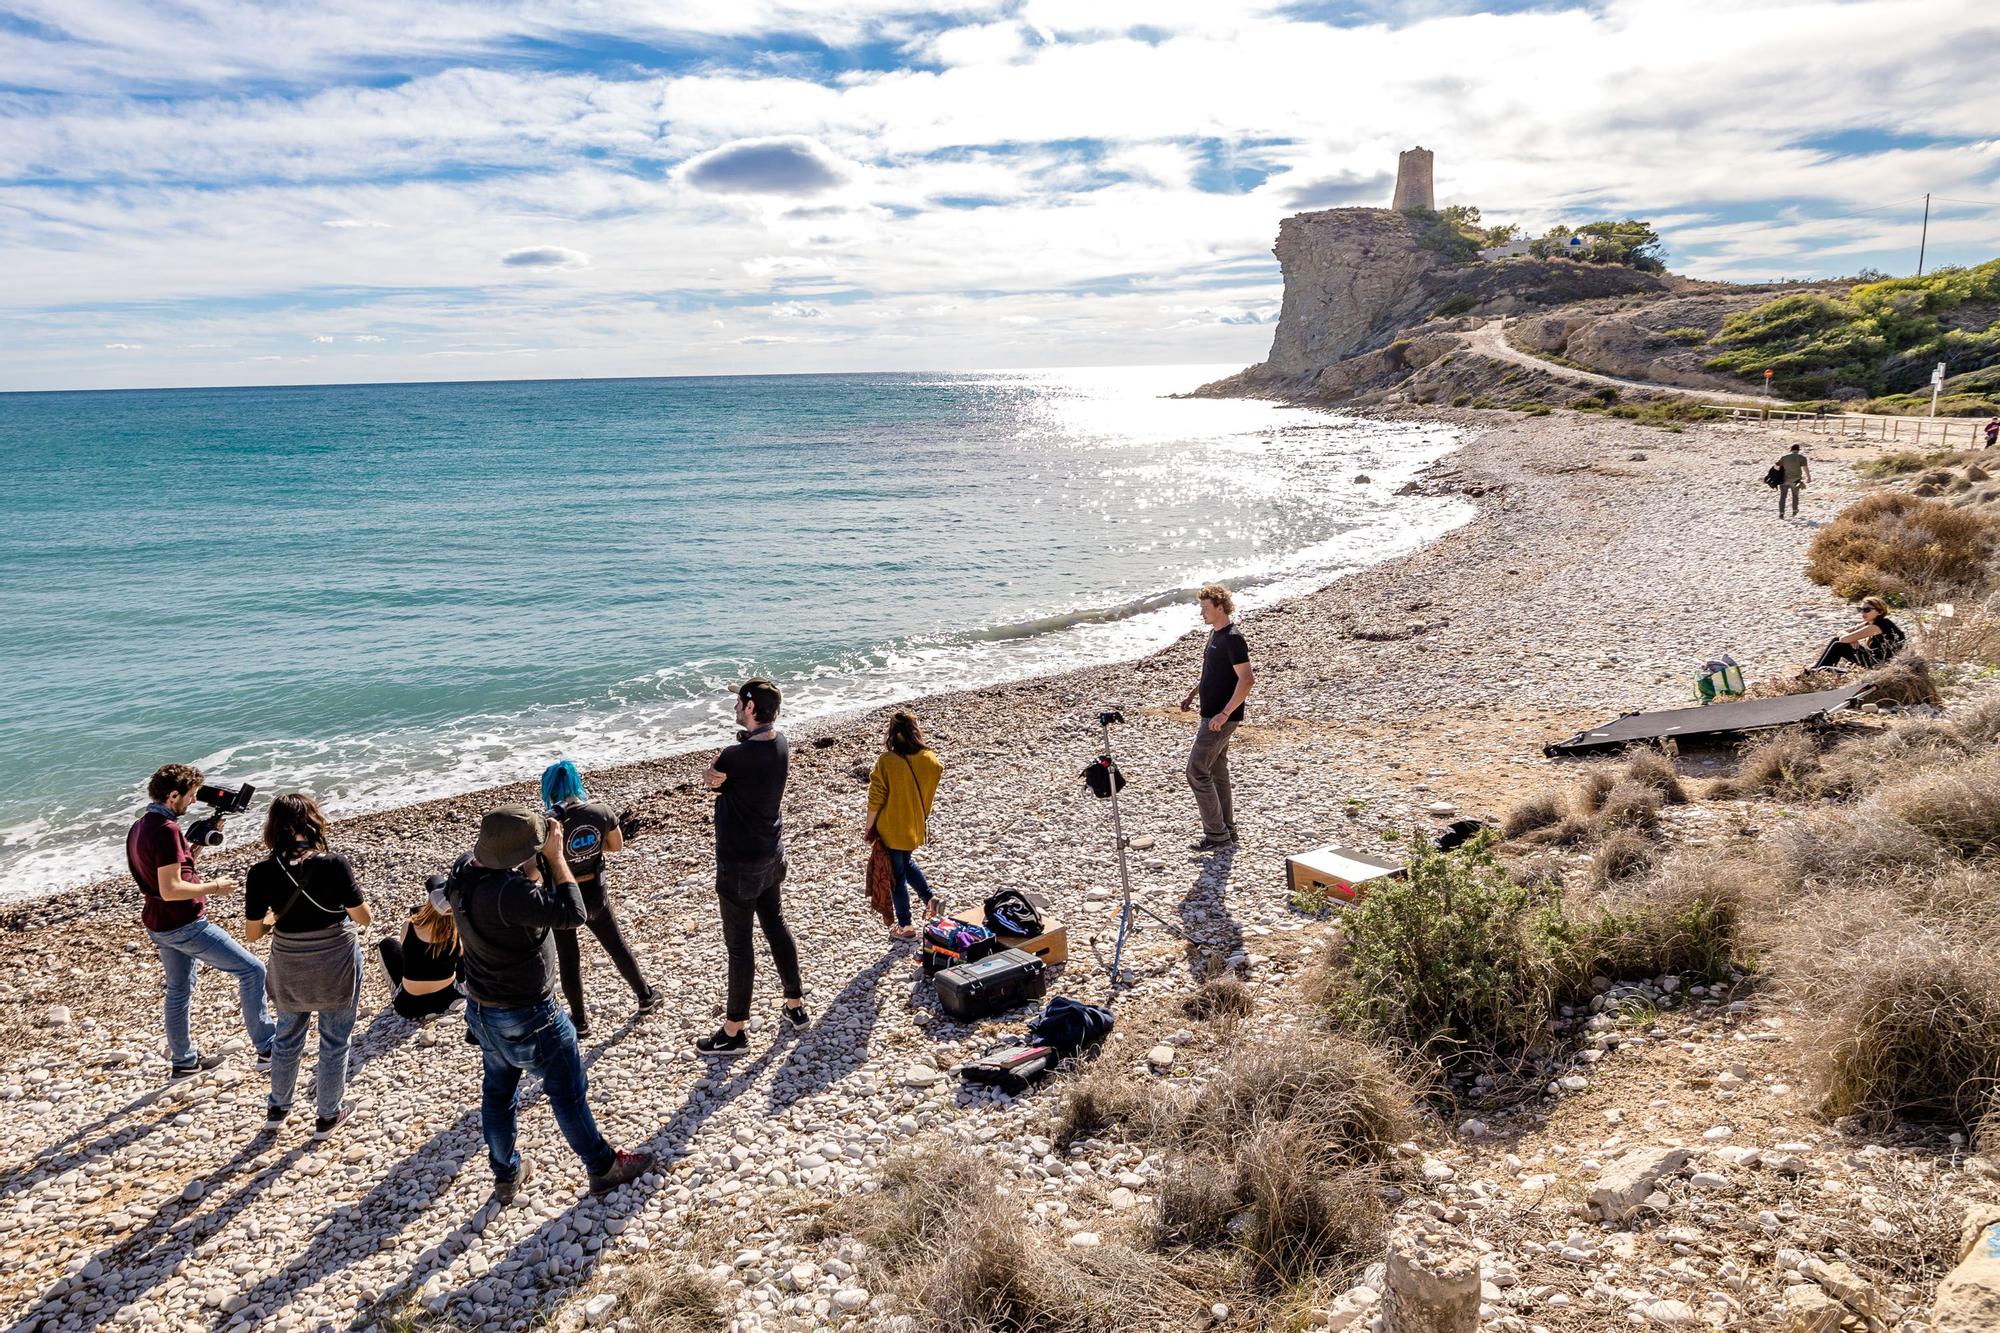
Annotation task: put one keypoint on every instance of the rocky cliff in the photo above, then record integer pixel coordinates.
(1367, 302)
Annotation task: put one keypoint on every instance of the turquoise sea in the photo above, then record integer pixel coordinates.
(384, 593)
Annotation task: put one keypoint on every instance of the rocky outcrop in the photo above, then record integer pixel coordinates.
(1367, 301)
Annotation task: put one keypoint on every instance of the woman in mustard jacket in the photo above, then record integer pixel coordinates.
(900, 793)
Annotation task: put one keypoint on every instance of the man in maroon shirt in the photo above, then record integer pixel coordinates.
(162, 863)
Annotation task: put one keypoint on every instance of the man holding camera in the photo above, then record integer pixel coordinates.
(507, 897)
(748, 779)
(162, 862)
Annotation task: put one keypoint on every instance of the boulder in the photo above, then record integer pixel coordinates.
(1433, 1282)
(1968, 1300)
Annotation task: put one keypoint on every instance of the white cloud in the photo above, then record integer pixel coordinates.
(1108, 223)
(323, 338)
(368, 337)
(123, 347)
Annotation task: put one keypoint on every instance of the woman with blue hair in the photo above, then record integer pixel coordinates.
(589, 831)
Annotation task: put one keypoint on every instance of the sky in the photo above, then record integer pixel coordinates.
(209, 192)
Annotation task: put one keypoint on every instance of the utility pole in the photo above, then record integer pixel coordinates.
(1923, 243)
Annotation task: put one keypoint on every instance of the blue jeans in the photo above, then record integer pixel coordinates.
(201, 940)
(336, 1031)
(535, 1040)
(904, 876)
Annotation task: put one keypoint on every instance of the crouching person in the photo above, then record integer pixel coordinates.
(506, 898)
(305, 898)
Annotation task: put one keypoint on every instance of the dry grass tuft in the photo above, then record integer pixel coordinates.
(1904, 681)
(1684, 918)
(1894, 545)
(962, 1253)
(1540, 811)
(1621, 856)
(1277, 1156)
(1909, 1010)
(662, 1294)
(1631, 805)
(1219, 997)
(1590, 793)
(1956, 809)
(1100, 1099)
(1979, 726)
(1781, 764)
(1650, 768)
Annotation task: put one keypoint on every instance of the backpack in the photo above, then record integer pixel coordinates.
(1068, 1024)
(1009, 912)
(949, 942)
(1776, 476)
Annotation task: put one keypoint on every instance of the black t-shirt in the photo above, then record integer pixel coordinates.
(1890, 631)
(585, 827)
(423, 961)
(1219, 660)
(504, 919)
(328, 888)
(747, 824)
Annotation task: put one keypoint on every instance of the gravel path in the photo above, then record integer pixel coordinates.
(1489, 339)
(1593, 581)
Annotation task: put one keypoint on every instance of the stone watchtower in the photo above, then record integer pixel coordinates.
(1413, 180)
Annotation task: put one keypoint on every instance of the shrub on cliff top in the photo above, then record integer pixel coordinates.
(1903, 548)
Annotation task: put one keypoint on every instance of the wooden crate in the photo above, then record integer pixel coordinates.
(1340, 873)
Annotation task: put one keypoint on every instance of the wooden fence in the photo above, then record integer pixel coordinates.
(1941, 432)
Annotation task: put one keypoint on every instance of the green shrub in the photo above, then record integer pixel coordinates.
(1605, 395)
(1457, 305)
(1687, 335)
(1686, 920)
(1455, 960)
(1461, 400)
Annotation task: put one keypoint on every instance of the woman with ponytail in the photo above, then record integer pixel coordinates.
(901, 791)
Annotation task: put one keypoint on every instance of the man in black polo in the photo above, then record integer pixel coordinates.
(1226, 677)
(748, 780)
(507, 897)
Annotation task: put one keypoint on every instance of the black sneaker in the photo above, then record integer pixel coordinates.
(201, 1065)
(325, 1125)
(1206, 844)
(649, 1001)
(264, 1061)
(581, 1027)
(721, 1043)
(275, 1116)
(796, 1015)
(626, 1167)
(506, 1191)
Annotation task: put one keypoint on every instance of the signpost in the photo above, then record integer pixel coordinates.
(1767, 381)
(1937, 383)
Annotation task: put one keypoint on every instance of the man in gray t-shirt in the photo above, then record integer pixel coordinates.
(1793, 474)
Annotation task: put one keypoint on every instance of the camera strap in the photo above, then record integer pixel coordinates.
(298, 890)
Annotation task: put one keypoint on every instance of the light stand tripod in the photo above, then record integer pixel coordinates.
(1126, 906)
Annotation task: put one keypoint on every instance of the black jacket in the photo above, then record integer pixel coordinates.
(504, 919)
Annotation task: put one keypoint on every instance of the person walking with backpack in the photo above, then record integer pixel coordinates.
(508, 896)
(1793, 474)
(589, 831)
(748, 779)
(304, 896)
(901, 791)
(1992, 432)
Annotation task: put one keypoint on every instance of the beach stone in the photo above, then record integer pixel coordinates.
(598, 1309)
(1810, 1310)
(1625, 1183)
(56, 1016)
(1674, 1314)
(1084, 1240)
(849, 1299)
(1161, 1057)
(1433, 1282)
(1968, 1300)
(921, 1076)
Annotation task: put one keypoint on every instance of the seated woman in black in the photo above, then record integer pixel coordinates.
(423, 965)
(1873, 642)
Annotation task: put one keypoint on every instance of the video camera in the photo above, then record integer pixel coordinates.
(224, 801)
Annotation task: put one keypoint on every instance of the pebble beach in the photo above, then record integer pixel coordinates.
(1606, 561)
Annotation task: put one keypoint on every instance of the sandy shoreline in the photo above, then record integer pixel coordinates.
(1589, 582)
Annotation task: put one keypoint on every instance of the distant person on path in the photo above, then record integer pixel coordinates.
(162, 862)
(901, 791)
(1870, 644)
(589, 831)
(1993, 432)
(1226, 678)
(748, 780)
(422, 967)
(305, 897)
(507, 896)
(1793, 473)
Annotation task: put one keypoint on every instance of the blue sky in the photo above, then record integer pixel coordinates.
(226, 192)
